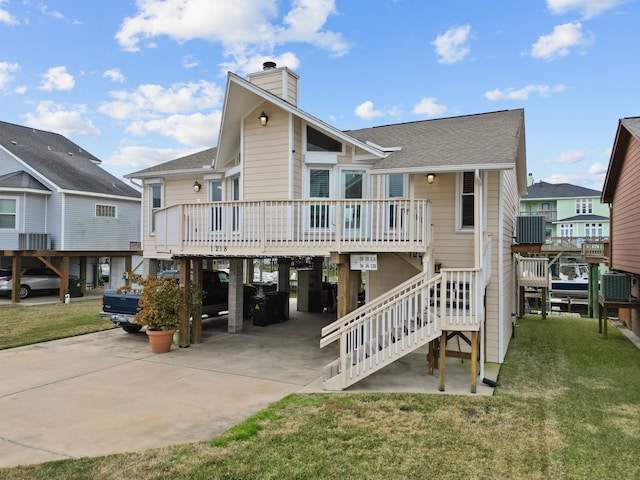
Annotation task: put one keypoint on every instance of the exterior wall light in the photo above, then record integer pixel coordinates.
(196, 186)
(264, 118)
(430, 178)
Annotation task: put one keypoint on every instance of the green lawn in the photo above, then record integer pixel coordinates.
(22, 324)
(568, 407)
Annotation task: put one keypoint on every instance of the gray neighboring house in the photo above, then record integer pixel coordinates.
(60, 209)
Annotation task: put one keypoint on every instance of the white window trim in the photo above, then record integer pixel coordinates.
(108, 205)
(150, 184)
(16, 213)
(458, 206)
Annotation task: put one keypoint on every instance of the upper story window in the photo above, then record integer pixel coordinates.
(319, 142)
(593, 230)
(566, 229)
(584, 206)
(105, 210)
(8, 213)
(466, 207)
(155, 202)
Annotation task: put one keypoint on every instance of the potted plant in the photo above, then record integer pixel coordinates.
(161, 301)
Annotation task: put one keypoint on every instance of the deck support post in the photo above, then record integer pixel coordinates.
(543, 301)
(474, 361)
(594, 305)
(236, 292)
(185, 285)
(442, 353)
(196, 326)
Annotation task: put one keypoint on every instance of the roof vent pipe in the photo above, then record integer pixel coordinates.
(268, 65)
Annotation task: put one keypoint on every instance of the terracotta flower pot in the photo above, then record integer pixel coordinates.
(160, 340)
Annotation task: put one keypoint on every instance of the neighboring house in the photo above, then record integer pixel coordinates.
(59, 208)
(622, 194)
(427, 210)
(572, 213)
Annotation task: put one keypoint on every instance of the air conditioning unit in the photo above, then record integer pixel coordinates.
(531, 230)
(615, 286)
(34, 241)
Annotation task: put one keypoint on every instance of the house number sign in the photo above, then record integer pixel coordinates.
(364, 262)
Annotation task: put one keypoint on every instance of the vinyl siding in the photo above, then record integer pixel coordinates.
(625, 228)
(266, 157)
(85, 231)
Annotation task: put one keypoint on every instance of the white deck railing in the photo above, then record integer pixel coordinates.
(402, 320)
(270, 227)
(533, 272)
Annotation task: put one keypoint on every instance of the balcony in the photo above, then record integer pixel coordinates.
(293, 227)
(550, 215)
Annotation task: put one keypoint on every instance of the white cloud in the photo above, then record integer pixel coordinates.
(6, 73)
(588, 8)
(55, 118)
(366, 111)
(560, 42)
(523, 93)
(568, 157)
(196, 129)
(57, 78)
(150, 101)
(241, 26)
(598, 169)
(139, 157)
(114, 74)
(190, 61)
(6, 17)
(589, 180)
(428, 106)
(452, 46)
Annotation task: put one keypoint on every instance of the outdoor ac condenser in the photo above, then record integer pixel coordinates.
(615, 286)
(531, 230)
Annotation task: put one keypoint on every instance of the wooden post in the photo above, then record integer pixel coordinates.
(16, 268)
(185, 280)
(83, 274)
(64, 278)
(543, 300)
(442, 352)
(594, 305)
(474, 361)
(522, 302)
(196, 323)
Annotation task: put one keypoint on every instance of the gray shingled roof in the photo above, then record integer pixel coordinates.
(482, 139)
(558, 190)
(632, 124)
(584, 218)
(194, 161)
(21, 180)
(61, 161)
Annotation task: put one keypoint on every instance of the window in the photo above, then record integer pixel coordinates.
(8, 213)
(235, 195)
(105, 211)
(319, 187)
(593, 230)
(566, 229)
(466, 205)
(584, 206)
(215, 195)
(395, 189)
(155, 202)
(319, 142)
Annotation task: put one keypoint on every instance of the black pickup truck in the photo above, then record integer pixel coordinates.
(121, 308)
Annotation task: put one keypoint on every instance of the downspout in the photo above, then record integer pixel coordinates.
(479, 260)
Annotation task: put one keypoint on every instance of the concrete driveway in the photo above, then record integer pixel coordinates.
(106, 392)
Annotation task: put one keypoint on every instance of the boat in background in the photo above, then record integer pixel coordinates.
(572, 281)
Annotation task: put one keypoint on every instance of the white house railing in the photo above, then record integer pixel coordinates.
(285, 225)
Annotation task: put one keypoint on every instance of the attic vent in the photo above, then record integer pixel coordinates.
(268, 65)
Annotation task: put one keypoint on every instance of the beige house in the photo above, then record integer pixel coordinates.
(426, 209)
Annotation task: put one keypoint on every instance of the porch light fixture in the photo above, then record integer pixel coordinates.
(264, 118)
(430, 178)
(196, 186)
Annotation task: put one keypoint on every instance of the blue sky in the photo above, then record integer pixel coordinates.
(139, 82)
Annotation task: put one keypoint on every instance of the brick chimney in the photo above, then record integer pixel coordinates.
(282, 82)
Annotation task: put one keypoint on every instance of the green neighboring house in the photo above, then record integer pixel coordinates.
(571, 211)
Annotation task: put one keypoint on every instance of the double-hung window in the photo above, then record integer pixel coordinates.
(319, 188)
(215, 195)
(155, 202)
(395, 189)
(8, 213)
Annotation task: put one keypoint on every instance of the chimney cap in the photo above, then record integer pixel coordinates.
(268, 65)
